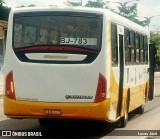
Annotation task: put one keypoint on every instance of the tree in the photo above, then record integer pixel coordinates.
(4, 11)
(20, 6)
(147, 20)
(155, 38)
(130, 12)
(69, 3)
(97, 4)
(31, 5)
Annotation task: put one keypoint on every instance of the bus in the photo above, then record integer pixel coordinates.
(75, 63)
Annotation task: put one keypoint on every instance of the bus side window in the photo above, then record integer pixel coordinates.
(137, 48)
(145, 50)
(141, 49)
(114, 43)
(133, 51)
(128, 50)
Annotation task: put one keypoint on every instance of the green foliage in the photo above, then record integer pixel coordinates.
(21, 6)
(69, 3)
(31, 5)
(129, 12)
(4, 11)
(146, 22)
(158, 56)
(97, 4)
(155, 38)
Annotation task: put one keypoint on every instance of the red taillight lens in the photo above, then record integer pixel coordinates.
(101, 89)
(9, 92)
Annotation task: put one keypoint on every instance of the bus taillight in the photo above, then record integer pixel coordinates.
(101, 89)
(9, 92)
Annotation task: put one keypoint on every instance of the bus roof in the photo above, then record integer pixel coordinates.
(109, 14)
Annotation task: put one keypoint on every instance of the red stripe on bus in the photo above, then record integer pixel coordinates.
(55, 48)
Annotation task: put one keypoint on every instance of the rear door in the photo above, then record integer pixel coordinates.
(120, 30)
(152, 52)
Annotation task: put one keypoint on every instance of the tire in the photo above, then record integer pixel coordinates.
(123, 121)
(50, 122)
(45, 122)
(140, 110)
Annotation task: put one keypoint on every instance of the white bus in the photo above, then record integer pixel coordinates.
(79, 63)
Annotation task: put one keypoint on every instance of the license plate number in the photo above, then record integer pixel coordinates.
(52, 112)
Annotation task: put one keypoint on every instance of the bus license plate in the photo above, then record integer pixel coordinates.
(52, 112)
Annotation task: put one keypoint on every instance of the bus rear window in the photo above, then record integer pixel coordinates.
(78, 35)
(80, 31)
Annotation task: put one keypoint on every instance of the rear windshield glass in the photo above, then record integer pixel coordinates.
(57, 30)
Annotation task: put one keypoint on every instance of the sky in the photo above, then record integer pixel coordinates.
(146, 8)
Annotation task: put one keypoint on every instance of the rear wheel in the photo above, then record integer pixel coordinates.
(50, 122)
(124, 119)
(140, 110)
(44, 122)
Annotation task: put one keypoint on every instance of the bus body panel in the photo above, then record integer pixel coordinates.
(53, 83)
(28, 109)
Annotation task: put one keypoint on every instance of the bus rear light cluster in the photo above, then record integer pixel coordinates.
(101, 89)
(9, 89)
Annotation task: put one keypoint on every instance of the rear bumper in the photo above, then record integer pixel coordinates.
(28, 109)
